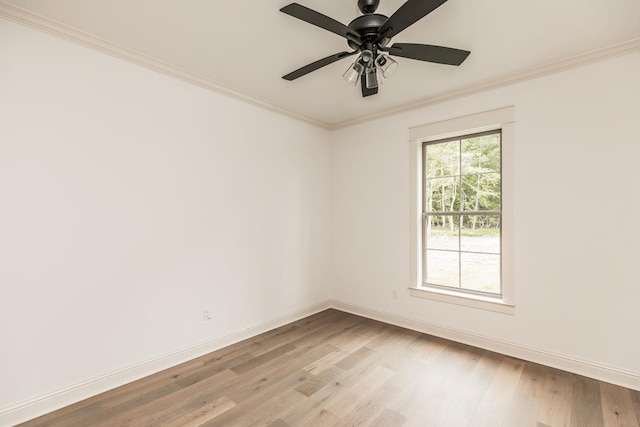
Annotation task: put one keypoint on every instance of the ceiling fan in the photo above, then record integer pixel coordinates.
(369, 35)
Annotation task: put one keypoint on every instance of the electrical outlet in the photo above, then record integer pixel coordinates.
(206, 314)
(394, 294)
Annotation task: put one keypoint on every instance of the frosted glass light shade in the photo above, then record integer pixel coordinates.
(352, 75)
(372, 79)
(386, 65)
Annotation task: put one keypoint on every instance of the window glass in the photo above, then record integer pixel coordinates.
(462, 213)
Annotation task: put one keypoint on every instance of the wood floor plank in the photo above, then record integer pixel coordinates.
(404, 348)
(324, 363)
(316, 382)
(617, 407)
(555, 408)
(442, 385)
(412, 395)
(385, 335)
(494, 406)
(126, 396)
(354, 358)
(323, 418)
(273, 372)
(353, 396)
(273, 339)
(424, 347)
(77, 416)
(354, 337)
(279, 423)
(466, 401)
(259, 412)
(256, 362)
(204, 413)
(334, 390)
(171, 406)
(586, 406)
(296, 332)
(389, 418)
(211, 368)
(308, 410)
(371, 406)
(525, 407)
(635, 401)
(337, 369)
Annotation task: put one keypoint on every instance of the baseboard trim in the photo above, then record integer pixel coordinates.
(13, 415)
(25, 411)
(600, 372)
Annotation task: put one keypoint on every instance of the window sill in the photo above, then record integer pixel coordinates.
(497, 305)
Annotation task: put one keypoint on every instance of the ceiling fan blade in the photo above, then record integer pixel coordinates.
(429, 53)
(317, 65)
(322, 21)
(408, 14)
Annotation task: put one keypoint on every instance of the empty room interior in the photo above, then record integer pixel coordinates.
(323, 213)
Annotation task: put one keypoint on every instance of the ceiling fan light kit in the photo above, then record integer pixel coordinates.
(387, 65)
(371, 80)
(369, 35)
(353, 73)
(365, 65)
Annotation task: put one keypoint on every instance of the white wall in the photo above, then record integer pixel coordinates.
(576, 209)
(131, 201)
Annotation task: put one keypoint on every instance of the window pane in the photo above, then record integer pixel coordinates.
(480, 272)
(463, 175)
(481, 192)
(443, 159)
(442, 268)
(441, 232)
(480, 234)
(442, 194)
(481, 154)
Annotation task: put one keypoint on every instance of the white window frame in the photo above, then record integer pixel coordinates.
(502, 119)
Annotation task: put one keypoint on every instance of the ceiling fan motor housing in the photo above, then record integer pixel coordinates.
(367, 26)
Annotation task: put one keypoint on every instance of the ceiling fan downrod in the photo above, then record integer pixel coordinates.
(368, 6)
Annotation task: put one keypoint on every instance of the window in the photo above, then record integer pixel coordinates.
(461, 211)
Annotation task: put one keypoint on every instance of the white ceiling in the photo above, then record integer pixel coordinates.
(247, 46)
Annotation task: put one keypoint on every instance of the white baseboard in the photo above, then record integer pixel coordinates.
(44, 404)
(566, 363)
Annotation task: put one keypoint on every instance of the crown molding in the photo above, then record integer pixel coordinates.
(41, 23)
(60, 30)
(577, 61)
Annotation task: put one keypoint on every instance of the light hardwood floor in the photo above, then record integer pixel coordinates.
(337, 369)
